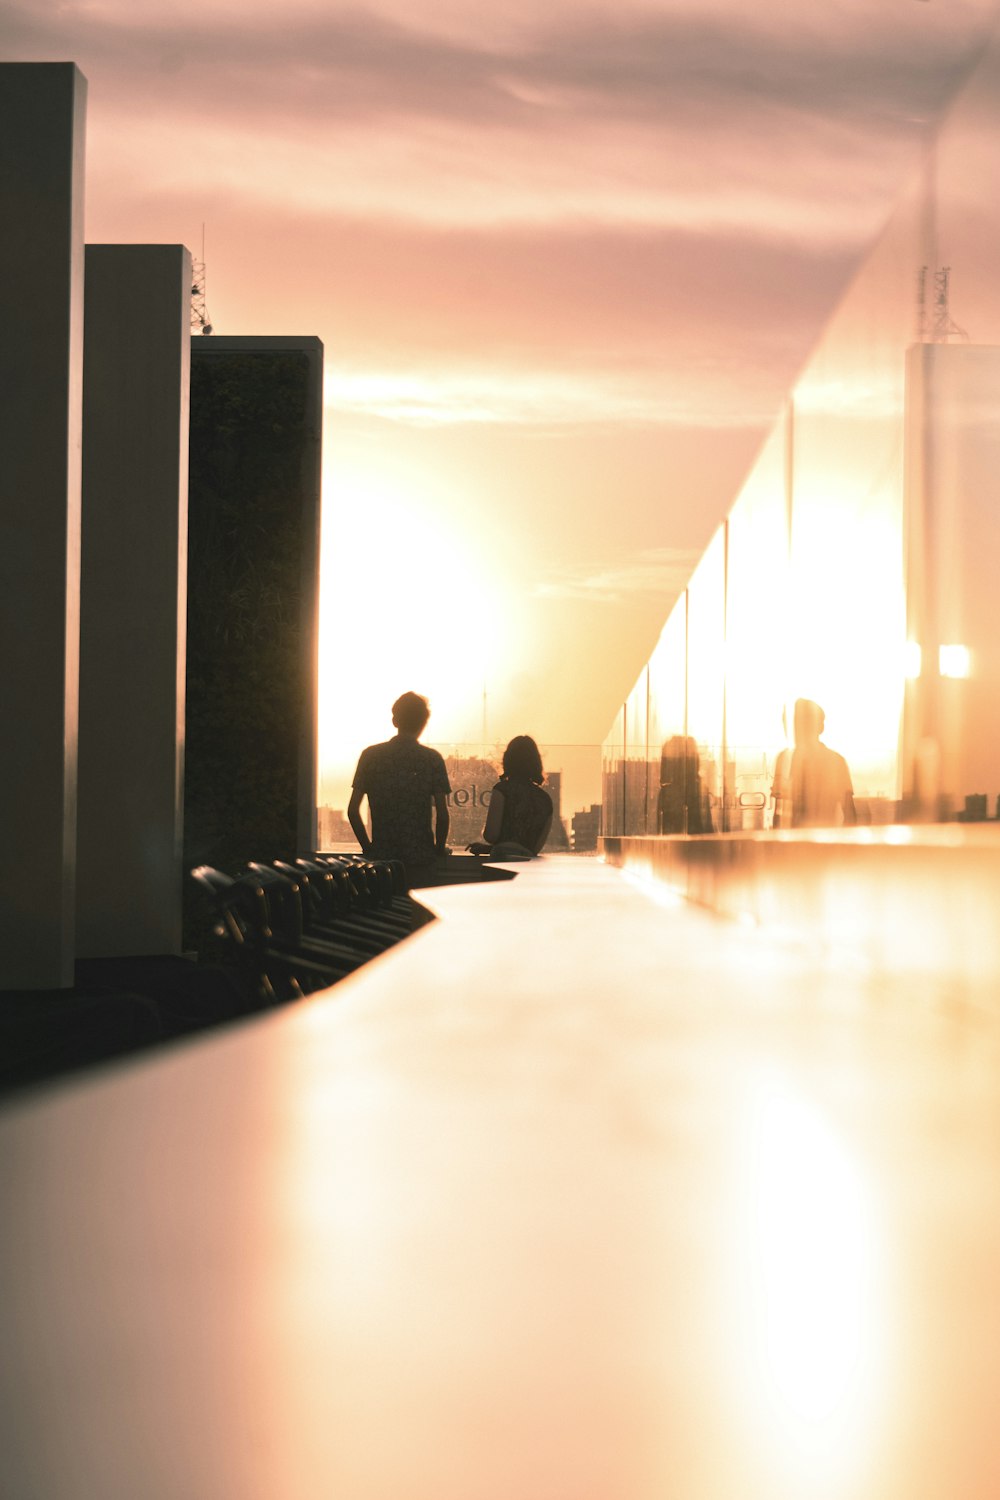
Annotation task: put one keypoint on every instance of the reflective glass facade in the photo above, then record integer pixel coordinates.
(859, 565)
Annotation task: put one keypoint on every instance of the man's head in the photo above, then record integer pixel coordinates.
(809, 721)
(410, 714)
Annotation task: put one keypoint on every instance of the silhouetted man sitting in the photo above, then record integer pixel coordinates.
(403, 781)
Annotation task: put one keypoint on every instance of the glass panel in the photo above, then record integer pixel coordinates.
(757, 644)
(859, 562)
(613, 777)
(636, 790)
(847, 624)
(572, 780)
(667, 717)
(705, 689)
(954, 718)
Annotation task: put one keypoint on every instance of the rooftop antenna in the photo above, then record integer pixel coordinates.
(945, 326)
(922, 303)
(199, 311)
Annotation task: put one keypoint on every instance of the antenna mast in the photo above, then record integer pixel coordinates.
(199, 310)
(945, 326)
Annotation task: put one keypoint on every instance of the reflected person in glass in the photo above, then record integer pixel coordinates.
(812, 783)
(682, 806)
(520, 812)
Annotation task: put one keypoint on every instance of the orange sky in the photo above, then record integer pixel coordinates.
(565, 262)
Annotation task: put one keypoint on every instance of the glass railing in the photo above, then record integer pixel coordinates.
(572, 780)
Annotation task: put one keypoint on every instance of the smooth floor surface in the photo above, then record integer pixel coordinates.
(581, 1193)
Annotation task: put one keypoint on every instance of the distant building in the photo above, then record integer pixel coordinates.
(558, 837)
(333, 828)
(586, 828)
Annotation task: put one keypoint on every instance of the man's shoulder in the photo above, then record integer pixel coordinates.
(832, 757)
(438, 769)
(371, 755)
(373, 752)
(836, 769)
(411, 750)
(404, 752)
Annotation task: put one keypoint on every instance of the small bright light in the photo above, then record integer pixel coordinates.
(954, 661)
(912, 660)
(898, 834)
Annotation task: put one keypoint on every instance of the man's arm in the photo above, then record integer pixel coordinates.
(442, 819)
(847, 803)
(850, 812)
(357, 822)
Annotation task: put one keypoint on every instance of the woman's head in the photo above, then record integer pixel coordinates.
(521, 758)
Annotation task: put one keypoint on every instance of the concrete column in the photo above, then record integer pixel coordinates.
(42, 115)
(134, 596)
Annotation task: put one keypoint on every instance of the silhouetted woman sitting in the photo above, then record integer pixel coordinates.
(683, 805)
(520, 813)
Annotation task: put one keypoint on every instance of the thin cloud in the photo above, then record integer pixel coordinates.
(809, 182)
(659, 571)
(536, 398)
(628, 119)
(669, 65)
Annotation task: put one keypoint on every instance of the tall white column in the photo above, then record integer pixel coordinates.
(133, 599)
(42, 116)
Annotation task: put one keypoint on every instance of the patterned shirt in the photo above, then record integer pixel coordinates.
(400, 779)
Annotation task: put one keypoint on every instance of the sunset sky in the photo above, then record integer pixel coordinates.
(565, 262)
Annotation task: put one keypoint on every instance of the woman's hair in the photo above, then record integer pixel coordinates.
(521, 758)
(679, 758)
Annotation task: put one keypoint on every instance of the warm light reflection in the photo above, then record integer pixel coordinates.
(814, 1321)
(954, 661)
(706, 660)
(653, 888)
(847, 649)
(912, 661)
(899, 833)
(757, 618)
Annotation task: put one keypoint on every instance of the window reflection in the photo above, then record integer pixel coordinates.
(858, 565)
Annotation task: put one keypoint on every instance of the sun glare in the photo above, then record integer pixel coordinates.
(404, 604)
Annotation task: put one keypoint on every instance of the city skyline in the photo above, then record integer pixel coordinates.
(564, 270)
